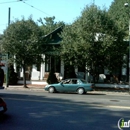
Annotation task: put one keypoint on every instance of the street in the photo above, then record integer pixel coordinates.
(32, 110)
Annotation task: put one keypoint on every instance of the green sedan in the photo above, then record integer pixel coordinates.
(70, 85)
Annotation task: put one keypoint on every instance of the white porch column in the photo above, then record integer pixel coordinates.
(15, 68)
(87, 75)
(62, 69)
(42, 70)
(76, 70)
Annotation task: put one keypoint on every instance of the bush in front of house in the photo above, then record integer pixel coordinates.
(1, 77)
(52, 78)
(13, 79)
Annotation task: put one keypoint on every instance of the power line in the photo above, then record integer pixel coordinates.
(11, 2)
(8, 2)
(38, 9)
(35, 8)
(26, 4)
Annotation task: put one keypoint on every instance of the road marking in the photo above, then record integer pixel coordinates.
(111, 106)
(121, 107)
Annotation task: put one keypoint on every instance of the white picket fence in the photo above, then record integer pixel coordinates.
(111, 85)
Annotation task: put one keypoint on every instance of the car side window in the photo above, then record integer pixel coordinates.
(71, 81)
(78, 82)
(74, 81)
(66, 82)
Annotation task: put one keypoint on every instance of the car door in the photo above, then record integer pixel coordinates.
(71, 86)
(64, 85)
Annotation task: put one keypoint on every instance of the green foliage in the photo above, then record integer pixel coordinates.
(1, 47)
(120, 14)
(93, 39)
(13, 79)
(23, 39)
(52, 78)
(48, 24)
(69, 72)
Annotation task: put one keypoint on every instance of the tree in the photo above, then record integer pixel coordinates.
(48, 24)
(69, 72)
(1, 48)
(120, 14)
(23, 39)
(93, 40)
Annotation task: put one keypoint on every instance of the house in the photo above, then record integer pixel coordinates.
(51, 62)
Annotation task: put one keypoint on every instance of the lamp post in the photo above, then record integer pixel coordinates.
(127, 5)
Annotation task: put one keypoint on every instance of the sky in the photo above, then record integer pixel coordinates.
(63, 10)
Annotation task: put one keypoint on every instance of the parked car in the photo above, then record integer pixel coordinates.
(70, 85)
(3, 106)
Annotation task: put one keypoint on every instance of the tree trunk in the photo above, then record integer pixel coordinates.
(24, 77)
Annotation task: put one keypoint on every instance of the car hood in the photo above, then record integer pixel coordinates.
(52, 84)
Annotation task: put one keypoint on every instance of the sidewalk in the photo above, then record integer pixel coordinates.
(40, 88)
(35, 87)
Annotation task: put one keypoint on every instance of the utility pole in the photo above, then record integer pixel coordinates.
(127, 5)
(7, 71)
(9, 17)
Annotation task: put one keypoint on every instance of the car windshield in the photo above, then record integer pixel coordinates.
(83, 81)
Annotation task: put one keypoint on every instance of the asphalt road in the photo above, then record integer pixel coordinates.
(32, 110)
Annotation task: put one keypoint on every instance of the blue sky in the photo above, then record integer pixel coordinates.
(63, 10)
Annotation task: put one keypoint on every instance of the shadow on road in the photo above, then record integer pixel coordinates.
(88, 93)
(33, 112)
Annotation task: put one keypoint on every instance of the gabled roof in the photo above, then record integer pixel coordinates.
(53, 36)
(57, 30)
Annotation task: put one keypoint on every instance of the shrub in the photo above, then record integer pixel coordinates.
(1, 77)
(52, 78)
(13, 79)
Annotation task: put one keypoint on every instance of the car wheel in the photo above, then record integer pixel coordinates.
(81, 91)
(51, 90)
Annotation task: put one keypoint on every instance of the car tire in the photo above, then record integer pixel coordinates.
(51, 90)
(81, 91)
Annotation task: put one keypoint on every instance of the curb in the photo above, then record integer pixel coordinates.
(89, 92)
(24, 89)
(110, 92)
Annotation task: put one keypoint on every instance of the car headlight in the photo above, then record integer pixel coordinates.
(47, 86)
